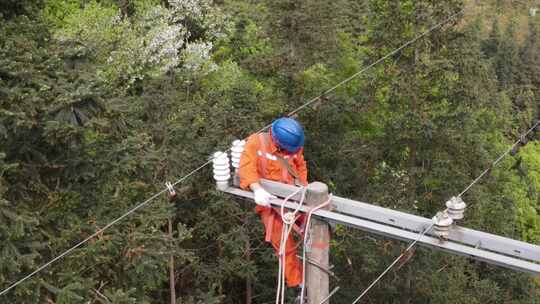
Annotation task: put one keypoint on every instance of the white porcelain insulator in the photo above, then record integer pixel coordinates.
(221, 167)
(456, 208)
(222, 185)
(237, 149)
(222, 178)
(235, 158)
(221, 161)
(442, 222)
(222, 170)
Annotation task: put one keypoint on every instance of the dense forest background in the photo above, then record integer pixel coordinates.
(102, 102)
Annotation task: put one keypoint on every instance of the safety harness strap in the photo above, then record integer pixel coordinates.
(288, 173)
(262, 161)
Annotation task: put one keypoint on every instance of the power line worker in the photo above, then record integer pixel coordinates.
(279, 156)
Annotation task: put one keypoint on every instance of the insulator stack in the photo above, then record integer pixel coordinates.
(456, 208)
(222, 170)
(237, 149)
(441, 224)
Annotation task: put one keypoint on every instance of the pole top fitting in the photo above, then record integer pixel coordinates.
(442, 222)
(317, 187)
(456, 208)
(172, 192)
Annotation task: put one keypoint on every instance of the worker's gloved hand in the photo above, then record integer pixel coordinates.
(262, 197)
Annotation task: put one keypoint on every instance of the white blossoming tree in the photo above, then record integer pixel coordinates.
(157, 39)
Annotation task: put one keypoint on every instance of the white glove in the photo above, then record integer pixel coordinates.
(262, 197)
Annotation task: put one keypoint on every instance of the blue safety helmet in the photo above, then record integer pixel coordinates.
(288, 134)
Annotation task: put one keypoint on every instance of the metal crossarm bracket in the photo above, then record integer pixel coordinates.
(494, 249)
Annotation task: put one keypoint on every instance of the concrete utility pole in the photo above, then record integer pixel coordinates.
(317, 281)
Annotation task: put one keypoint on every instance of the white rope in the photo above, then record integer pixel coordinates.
(281, 270)
(288, 220)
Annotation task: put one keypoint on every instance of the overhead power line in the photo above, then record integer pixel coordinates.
(392, 265)
(98, 232)
(475, 181)
(374, 63)
(520, 141)
(293, 112)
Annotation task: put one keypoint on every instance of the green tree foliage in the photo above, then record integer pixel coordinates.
(491, 44)
(506, 60)
(101, 102)
(530, 56)
(523, 190)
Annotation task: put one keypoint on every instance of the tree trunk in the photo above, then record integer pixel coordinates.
(249, 290)
(171, 269)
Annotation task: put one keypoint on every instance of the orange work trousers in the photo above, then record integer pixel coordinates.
(273, 226)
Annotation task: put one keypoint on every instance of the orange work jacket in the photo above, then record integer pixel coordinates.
(260, 160)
